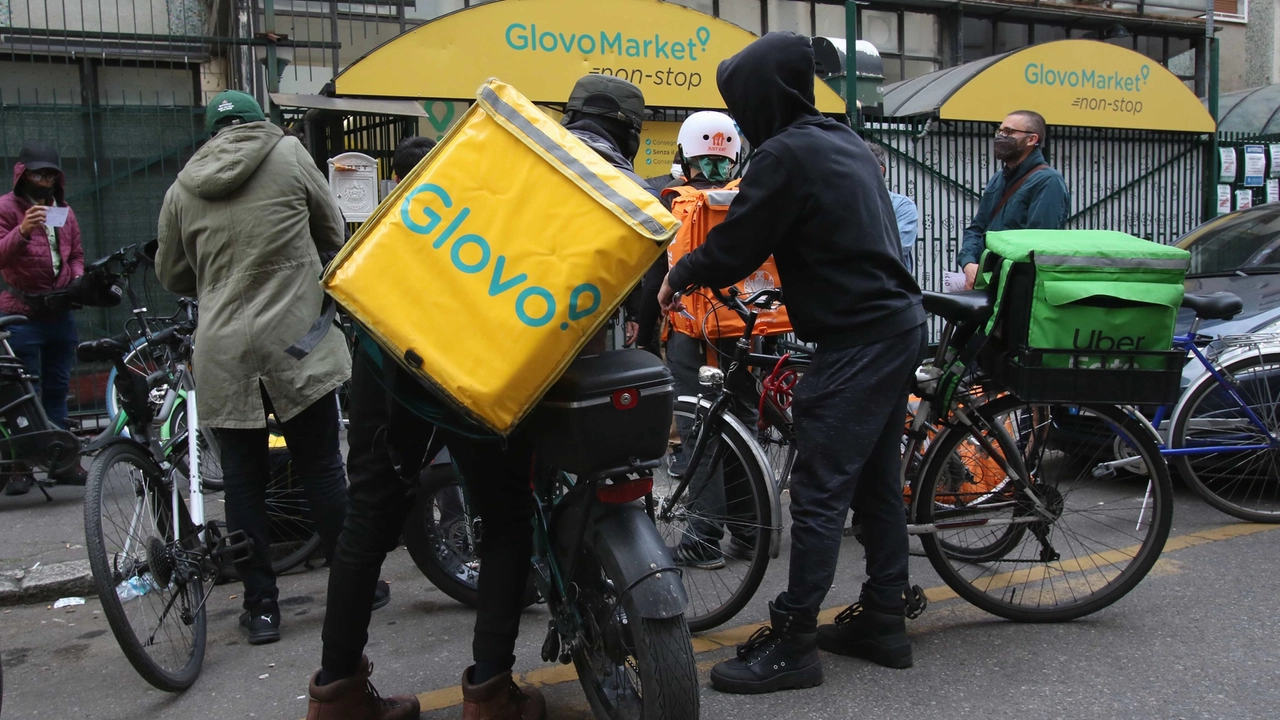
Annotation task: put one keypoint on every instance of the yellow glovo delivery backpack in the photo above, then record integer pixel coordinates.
(504, 251)
(698, 211)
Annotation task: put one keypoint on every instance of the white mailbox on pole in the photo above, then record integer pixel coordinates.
(353, 182)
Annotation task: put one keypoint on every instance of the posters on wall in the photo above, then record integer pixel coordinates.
(1255, 165)
(1244, 199)
(1228, 164)
(1273, 191)
(1224, 199)
(1274, 151)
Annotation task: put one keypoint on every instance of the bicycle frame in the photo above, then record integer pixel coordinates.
(1190, 343)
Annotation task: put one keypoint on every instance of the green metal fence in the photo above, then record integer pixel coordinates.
(118, 161)
(1142, 183)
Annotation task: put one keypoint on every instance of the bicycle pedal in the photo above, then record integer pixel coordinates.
(917, 602)
(232, 543)
(551, 645)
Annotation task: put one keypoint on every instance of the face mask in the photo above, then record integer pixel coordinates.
(716, 169)
(1006, 148)
(36, 192)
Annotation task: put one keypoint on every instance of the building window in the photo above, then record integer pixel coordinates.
(702, 6)
(976, 38)
(881, 29)
(1011, 36)
(792, 15)
(743, 13)
(829, 20)
(1231, 10)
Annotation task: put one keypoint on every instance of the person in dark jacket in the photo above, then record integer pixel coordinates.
(390, 443)
(814, 198)
(38, 257)
(1025, 194)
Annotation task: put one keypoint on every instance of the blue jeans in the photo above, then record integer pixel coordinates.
(47, 348)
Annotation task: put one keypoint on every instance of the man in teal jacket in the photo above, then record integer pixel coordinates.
(1025, 194)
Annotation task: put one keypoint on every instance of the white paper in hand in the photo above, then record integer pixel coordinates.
(55, 217)
(953, 282)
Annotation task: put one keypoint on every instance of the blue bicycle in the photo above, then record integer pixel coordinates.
(1223, 435)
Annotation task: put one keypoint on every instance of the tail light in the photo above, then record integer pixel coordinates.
(624, 491)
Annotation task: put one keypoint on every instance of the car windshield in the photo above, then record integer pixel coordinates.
(1247, 242)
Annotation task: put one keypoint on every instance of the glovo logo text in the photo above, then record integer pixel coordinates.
(470, 253)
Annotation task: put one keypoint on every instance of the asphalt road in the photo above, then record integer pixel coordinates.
(1196, 639)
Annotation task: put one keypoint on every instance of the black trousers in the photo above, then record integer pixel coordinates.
(388, 447)
(312, 437)
(849, 410)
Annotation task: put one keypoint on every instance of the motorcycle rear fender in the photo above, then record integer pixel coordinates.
(625, 540)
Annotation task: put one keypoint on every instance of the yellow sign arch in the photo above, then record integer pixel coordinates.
(1082, 83)
(542, 47)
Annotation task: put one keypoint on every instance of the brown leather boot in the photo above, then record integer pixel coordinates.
(499, 698)
(355, 698)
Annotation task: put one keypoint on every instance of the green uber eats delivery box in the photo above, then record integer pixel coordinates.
(1083, 315)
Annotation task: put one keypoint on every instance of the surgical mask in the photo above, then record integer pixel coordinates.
(1006, 148)
(715, 169)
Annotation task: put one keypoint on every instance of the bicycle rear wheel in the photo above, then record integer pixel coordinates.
(1241, 483)
(151, 589)
(733, 526)
(442, 536)
(1065, 538)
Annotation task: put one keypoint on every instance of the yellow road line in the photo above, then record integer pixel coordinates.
(708, 642)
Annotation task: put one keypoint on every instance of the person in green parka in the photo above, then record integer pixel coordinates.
(243, 230)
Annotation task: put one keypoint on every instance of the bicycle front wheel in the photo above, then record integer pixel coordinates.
(1077, 524)
(152, 593)
(1244, 483)
(720, 527)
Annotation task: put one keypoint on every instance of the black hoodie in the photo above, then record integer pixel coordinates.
(814, 199)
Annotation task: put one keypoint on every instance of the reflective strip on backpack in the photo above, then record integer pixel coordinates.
(721, 198)
(1130, 262)
(597, 183)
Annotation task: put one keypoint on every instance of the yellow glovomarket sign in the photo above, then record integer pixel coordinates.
(492, 264)
(544, 46)
(1083, 83)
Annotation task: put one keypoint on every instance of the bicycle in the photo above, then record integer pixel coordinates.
(1224, 432)
(295, 540)
(150, 548)
(1013, 518)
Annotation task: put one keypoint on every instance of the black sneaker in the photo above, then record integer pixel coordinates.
(781, 656)
(263, 624)
(862, 632)
(700, 556)
(381, 595)
(19, 485)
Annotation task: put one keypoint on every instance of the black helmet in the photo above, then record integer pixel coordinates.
(606, 95)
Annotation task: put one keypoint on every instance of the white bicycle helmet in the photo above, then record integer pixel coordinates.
(709, 133)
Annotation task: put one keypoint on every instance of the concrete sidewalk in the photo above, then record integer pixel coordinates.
(42, 553)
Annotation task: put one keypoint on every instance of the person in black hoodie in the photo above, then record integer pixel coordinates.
(814, 199)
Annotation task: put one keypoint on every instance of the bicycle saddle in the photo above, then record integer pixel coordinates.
(964, 308)
(7, 320)
(1218, 306)
(98, 350)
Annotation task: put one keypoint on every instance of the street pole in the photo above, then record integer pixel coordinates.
(273, 68)
(851, 64)
(1211, 67)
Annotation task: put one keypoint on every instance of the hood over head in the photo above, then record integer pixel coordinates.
(768, 85)
(229, 159)
(39, 155)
